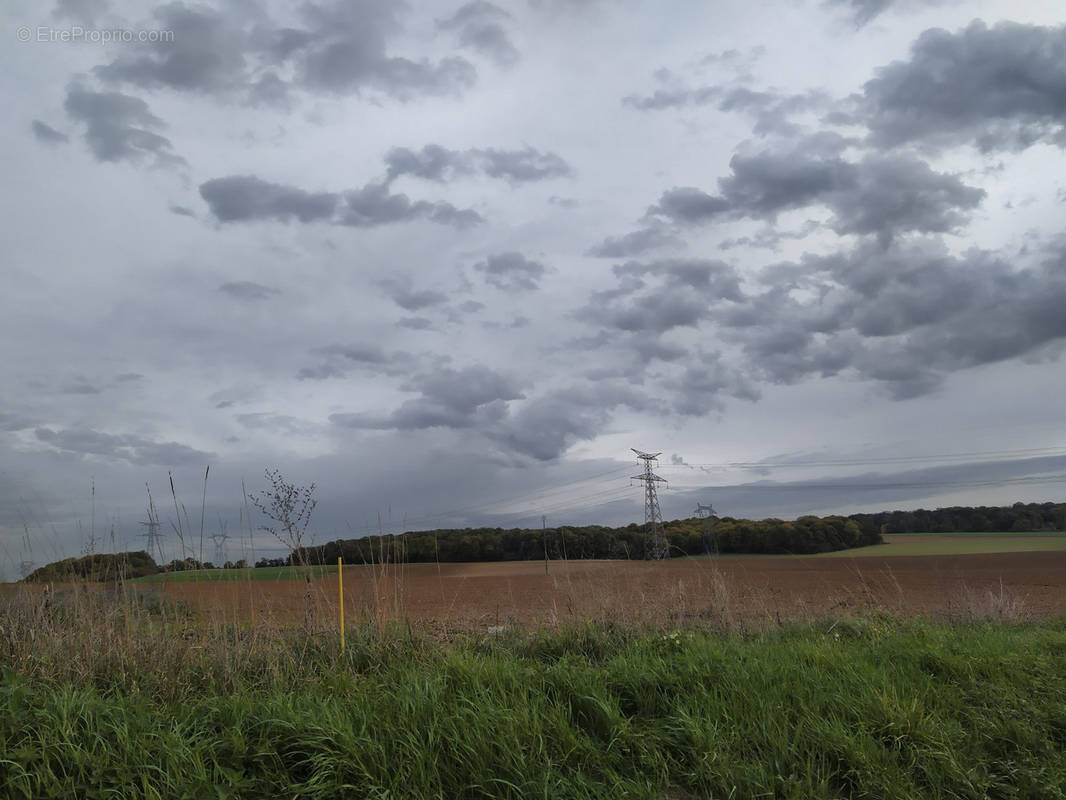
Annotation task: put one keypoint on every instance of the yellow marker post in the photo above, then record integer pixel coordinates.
(340, 592)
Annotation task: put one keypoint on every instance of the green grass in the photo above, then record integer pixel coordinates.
(247, 574)
(874, 708)
(937, 544)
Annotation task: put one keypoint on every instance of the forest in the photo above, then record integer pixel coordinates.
(685, 537)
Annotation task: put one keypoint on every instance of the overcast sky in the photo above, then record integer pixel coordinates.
(450, 262)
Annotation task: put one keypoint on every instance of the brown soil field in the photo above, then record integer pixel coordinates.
(734, 592)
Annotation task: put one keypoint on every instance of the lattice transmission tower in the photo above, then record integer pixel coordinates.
(220, 547)
(153, 538)
(706, 513)
(655, 545)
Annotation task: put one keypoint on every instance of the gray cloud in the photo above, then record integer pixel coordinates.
(432, 162)
(865, 11)
(524, 165)
(904, 316)
(366, 358)
(416, 323)
(407, 297)
(998, 88)
(13, 422)
(479, 26)
(636, 243)
(440, 164)
(117, 126)
(771, 110)
(128, 447)
(341, 48)
(661, 295)
(687, 204)
(449, 398)
(205, 54)
(703, 383)
(241, 198)
(84, 12)
(511, 271)
(48, 134)
(245, 198)
(545, 427)
(882, 195)
(375, 205)
(248, 290)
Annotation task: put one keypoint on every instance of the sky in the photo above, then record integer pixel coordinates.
(451, 262)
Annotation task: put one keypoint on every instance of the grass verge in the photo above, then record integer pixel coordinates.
(854, 708)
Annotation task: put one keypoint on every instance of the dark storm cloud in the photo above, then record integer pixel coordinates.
(440, 164)
(999, 88)
(118, 126)
(131, 448)
(340, 48)
(479, 26)
(245, 198)
(48, 134)
(248, 290)
(636, 243)
(661, 295)
(449, 398)
(182, 211)
(882, 195)
(511, 272)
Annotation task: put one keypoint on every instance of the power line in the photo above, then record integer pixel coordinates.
(1033, 479)
(848, 462)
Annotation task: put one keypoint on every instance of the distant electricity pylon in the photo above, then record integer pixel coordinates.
(220, 545)
(153, 538)
(706, 513)
(655, 546)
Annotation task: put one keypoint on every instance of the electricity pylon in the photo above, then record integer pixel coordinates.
(220, 547)
(655, 545)
(706, 513)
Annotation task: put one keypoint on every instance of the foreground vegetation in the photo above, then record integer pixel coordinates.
(123, 695)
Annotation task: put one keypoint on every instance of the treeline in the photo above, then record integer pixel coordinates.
(1017, 518)
(96, 567)
(685, 537)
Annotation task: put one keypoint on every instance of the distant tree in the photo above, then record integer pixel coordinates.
(288, 507)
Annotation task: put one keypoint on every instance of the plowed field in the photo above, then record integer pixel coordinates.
(730, 591)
